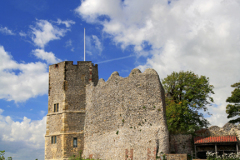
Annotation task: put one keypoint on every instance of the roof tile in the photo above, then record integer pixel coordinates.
(216, 139)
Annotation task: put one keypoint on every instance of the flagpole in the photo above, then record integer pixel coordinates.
(84, 44)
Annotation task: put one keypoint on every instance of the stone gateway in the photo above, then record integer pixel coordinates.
(122, 118)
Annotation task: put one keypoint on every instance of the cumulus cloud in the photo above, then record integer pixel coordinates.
(22, 34)
(197, 35)
(31, 80)
(93, 45)
(22, 137)
(97, 43)
(67, 23)
(69, 44)
(44, 32)
(49, 57)
(6, 31)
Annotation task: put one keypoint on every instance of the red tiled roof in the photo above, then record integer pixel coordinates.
(218, 139)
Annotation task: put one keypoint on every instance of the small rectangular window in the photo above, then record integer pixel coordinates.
(74, 142)
(54, 107)
(52, 140)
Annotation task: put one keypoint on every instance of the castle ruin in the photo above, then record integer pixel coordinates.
(120, 119)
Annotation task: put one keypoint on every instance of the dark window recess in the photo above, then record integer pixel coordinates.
(54, 139)
(56, 107)
(74, 142)
(56, 65)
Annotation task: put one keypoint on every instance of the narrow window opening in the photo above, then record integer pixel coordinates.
(52, 139)
(54, 107)
(56, 65)
(74, 142)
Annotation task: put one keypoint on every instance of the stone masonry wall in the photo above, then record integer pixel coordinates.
(125, 117)
(67, 87)
(181, 144)
(227, 129)
(76, 79)
(54, 119)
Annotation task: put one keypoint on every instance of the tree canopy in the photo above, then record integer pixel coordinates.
(186, 94)
(2, 155)
(233, 110)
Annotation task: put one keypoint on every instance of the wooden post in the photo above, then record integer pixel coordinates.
(216, 149)
(237, 147)
(195, 151)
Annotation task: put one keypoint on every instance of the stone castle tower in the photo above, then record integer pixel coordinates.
(122, 118)
(66, 108)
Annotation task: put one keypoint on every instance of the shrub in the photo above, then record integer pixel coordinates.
(231, 156)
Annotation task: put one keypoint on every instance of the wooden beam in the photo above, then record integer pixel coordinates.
(195, 151)
(216, 149)
(237, 147)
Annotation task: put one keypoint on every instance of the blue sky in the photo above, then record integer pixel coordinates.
(202, 36)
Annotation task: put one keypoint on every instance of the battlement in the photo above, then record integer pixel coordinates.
(79, 63)
(135, 73)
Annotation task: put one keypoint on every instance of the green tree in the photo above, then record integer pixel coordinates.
(185, 95)
(233, 110)
(1, 155)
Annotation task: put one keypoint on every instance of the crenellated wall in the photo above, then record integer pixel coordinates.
(125, 117)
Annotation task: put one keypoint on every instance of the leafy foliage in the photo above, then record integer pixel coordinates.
(185, 94)
(233, 110)
(1, 155)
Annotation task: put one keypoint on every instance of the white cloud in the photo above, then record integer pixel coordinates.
(93, 45)
(69, 44)
(31, 80)
(49, 57)
(44, 32)
(198, 35)
(22, 137)
(22, 34)
(97, 43)
(6, 31)
(68, 23)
